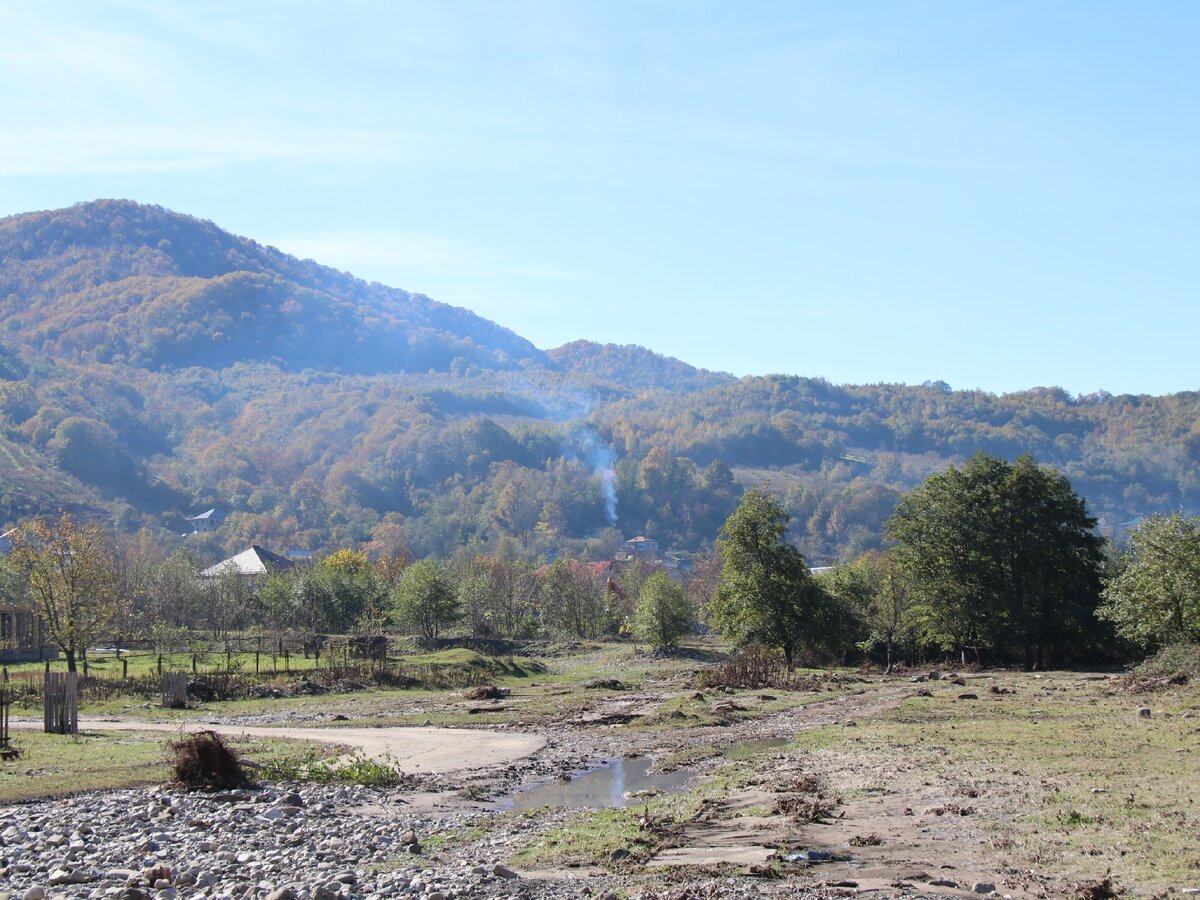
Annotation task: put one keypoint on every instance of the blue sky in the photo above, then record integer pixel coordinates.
(997, 195)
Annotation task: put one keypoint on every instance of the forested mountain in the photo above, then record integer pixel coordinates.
(117, 282)
(153, 366)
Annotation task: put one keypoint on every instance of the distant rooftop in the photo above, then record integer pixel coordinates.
(254, 561)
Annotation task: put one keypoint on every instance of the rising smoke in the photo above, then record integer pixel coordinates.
(601, 459)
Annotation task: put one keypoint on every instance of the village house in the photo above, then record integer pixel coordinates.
(21, 635)
(250, 564)
(21, 629)
(641, 547)
(204, 522)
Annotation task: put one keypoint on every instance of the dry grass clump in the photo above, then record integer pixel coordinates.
(804, 809)
(1099, 890)
(486, 692)
(204, 760)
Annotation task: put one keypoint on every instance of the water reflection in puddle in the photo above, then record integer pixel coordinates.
(600, 788)
(607, 785)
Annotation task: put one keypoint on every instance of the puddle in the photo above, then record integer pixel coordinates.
(600, 788)
(742, 749)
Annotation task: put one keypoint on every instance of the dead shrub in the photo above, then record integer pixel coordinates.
(204, 760)
(801, 784)
(756, 666)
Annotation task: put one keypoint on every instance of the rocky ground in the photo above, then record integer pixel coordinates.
(891, 819)
(277, 841)
(325, 842)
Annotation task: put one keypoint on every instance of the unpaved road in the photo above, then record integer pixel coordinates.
(414, 750)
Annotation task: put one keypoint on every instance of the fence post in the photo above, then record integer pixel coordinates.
(4, 704)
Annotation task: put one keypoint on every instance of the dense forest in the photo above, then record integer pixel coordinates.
(153, 366)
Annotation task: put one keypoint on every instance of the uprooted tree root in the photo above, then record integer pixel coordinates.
(204, 760)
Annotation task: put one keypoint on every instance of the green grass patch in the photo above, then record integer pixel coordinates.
(54, 765)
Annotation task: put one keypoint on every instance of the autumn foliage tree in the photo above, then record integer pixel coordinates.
(72, 576)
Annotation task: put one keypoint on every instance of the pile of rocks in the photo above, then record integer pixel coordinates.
(307, 843)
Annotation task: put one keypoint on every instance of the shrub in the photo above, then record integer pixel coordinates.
(1171, 662)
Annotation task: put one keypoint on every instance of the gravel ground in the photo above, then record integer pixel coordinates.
(277, 841)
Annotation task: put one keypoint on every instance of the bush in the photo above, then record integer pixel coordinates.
(204, 760)
(1179, 662)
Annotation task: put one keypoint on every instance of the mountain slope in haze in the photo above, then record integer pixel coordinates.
(118, 282)
(153, 366)
(632, 366)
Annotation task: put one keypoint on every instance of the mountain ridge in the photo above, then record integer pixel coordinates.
(153, 365)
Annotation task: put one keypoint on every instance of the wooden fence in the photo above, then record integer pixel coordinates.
(61, 706)
(174, 690)
(5, 704)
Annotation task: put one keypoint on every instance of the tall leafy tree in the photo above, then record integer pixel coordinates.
(72, 577)
(663, 615)
(1003, 556)
(1155, 597)
(765, 592)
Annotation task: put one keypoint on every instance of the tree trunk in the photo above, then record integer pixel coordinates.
(69, 652)
(888, 670)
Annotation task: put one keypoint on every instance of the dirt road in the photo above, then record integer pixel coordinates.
(414, 750)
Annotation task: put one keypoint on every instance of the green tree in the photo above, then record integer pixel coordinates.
(765, 593)
(1002, 555)
(1154, 599)
(663, 614)
(574, 600)
(72, 578)
(425, 601)
(875, 591)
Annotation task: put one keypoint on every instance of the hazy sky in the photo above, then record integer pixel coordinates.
(997, 195)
